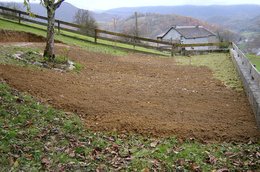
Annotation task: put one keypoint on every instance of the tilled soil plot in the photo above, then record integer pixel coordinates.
(14, 36)
(141, 94)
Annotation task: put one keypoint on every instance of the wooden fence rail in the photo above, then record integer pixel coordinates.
(98, 33)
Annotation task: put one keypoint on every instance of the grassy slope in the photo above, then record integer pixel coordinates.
(219, 63)
(255, 60)
(88, 44)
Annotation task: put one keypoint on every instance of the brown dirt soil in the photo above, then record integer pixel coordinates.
(141, 94)
(15, 36)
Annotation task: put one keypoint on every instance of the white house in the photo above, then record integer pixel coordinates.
(190, 35)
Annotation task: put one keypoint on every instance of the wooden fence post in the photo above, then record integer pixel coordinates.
(19, 17)
(96, 35)
(172, 52)
(58, 27)
(134, 42)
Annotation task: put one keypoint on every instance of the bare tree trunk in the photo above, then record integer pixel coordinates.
(49, 49)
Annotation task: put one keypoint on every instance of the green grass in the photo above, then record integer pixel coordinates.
(255, 60)
(36, 137)
(219, 63)
(78, 67)
(31, 56)
(8, 51)
(108, 47)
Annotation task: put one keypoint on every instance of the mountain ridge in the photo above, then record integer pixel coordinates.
(192, 10)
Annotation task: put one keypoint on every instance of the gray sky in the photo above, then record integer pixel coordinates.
(108, 4)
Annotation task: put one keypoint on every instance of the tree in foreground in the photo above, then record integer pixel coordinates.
(51, 7)
(86, 21)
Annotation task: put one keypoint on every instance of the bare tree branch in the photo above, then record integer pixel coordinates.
(57, 4)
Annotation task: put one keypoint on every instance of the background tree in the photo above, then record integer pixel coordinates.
(87, 22)
(225, 35)
(51, 6)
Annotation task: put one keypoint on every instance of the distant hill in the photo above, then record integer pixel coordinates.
(240, 19)
(235, 17)
(254, 24)
(239, 24)
(151, 24)
(200, 12)
(40, 10)
(66, 11)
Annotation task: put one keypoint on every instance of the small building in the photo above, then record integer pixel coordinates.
(190, 35)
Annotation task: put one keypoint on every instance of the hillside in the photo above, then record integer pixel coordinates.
(235, 17)
(151, 24)
(40, 10)
(252, 25)
(66, 11)
(200, 12)
(240, 19)
(239, 24)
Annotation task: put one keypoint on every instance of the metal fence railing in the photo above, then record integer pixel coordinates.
(251, 69)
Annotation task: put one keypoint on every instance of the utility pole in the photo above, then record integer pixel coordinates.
(115, 20)
(136, 30)
(136, 25)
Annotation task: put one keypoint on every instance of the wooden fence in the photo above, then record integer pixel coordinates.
(98, 33)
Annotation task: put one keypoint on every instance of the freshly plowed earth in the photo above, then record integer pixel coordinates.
(142, 94)
(14, 36)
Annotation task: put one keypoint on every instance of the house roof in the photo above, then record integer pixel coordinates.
(189, 32)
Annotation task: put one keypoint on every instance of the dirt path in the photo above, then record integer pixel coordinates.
(142, 94)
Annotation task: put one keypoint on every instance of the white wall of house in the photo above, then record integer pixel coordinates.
(172, 36)
(211, 39)
(195, 41)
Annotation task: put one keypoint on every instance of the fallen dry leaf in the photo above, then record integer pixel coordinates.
(223, 170)
(195, 167)
(145, 170)
(45, 160)
(211, 160)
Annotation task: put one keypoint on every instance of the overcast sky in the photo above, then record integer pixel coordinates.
(108, 4)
